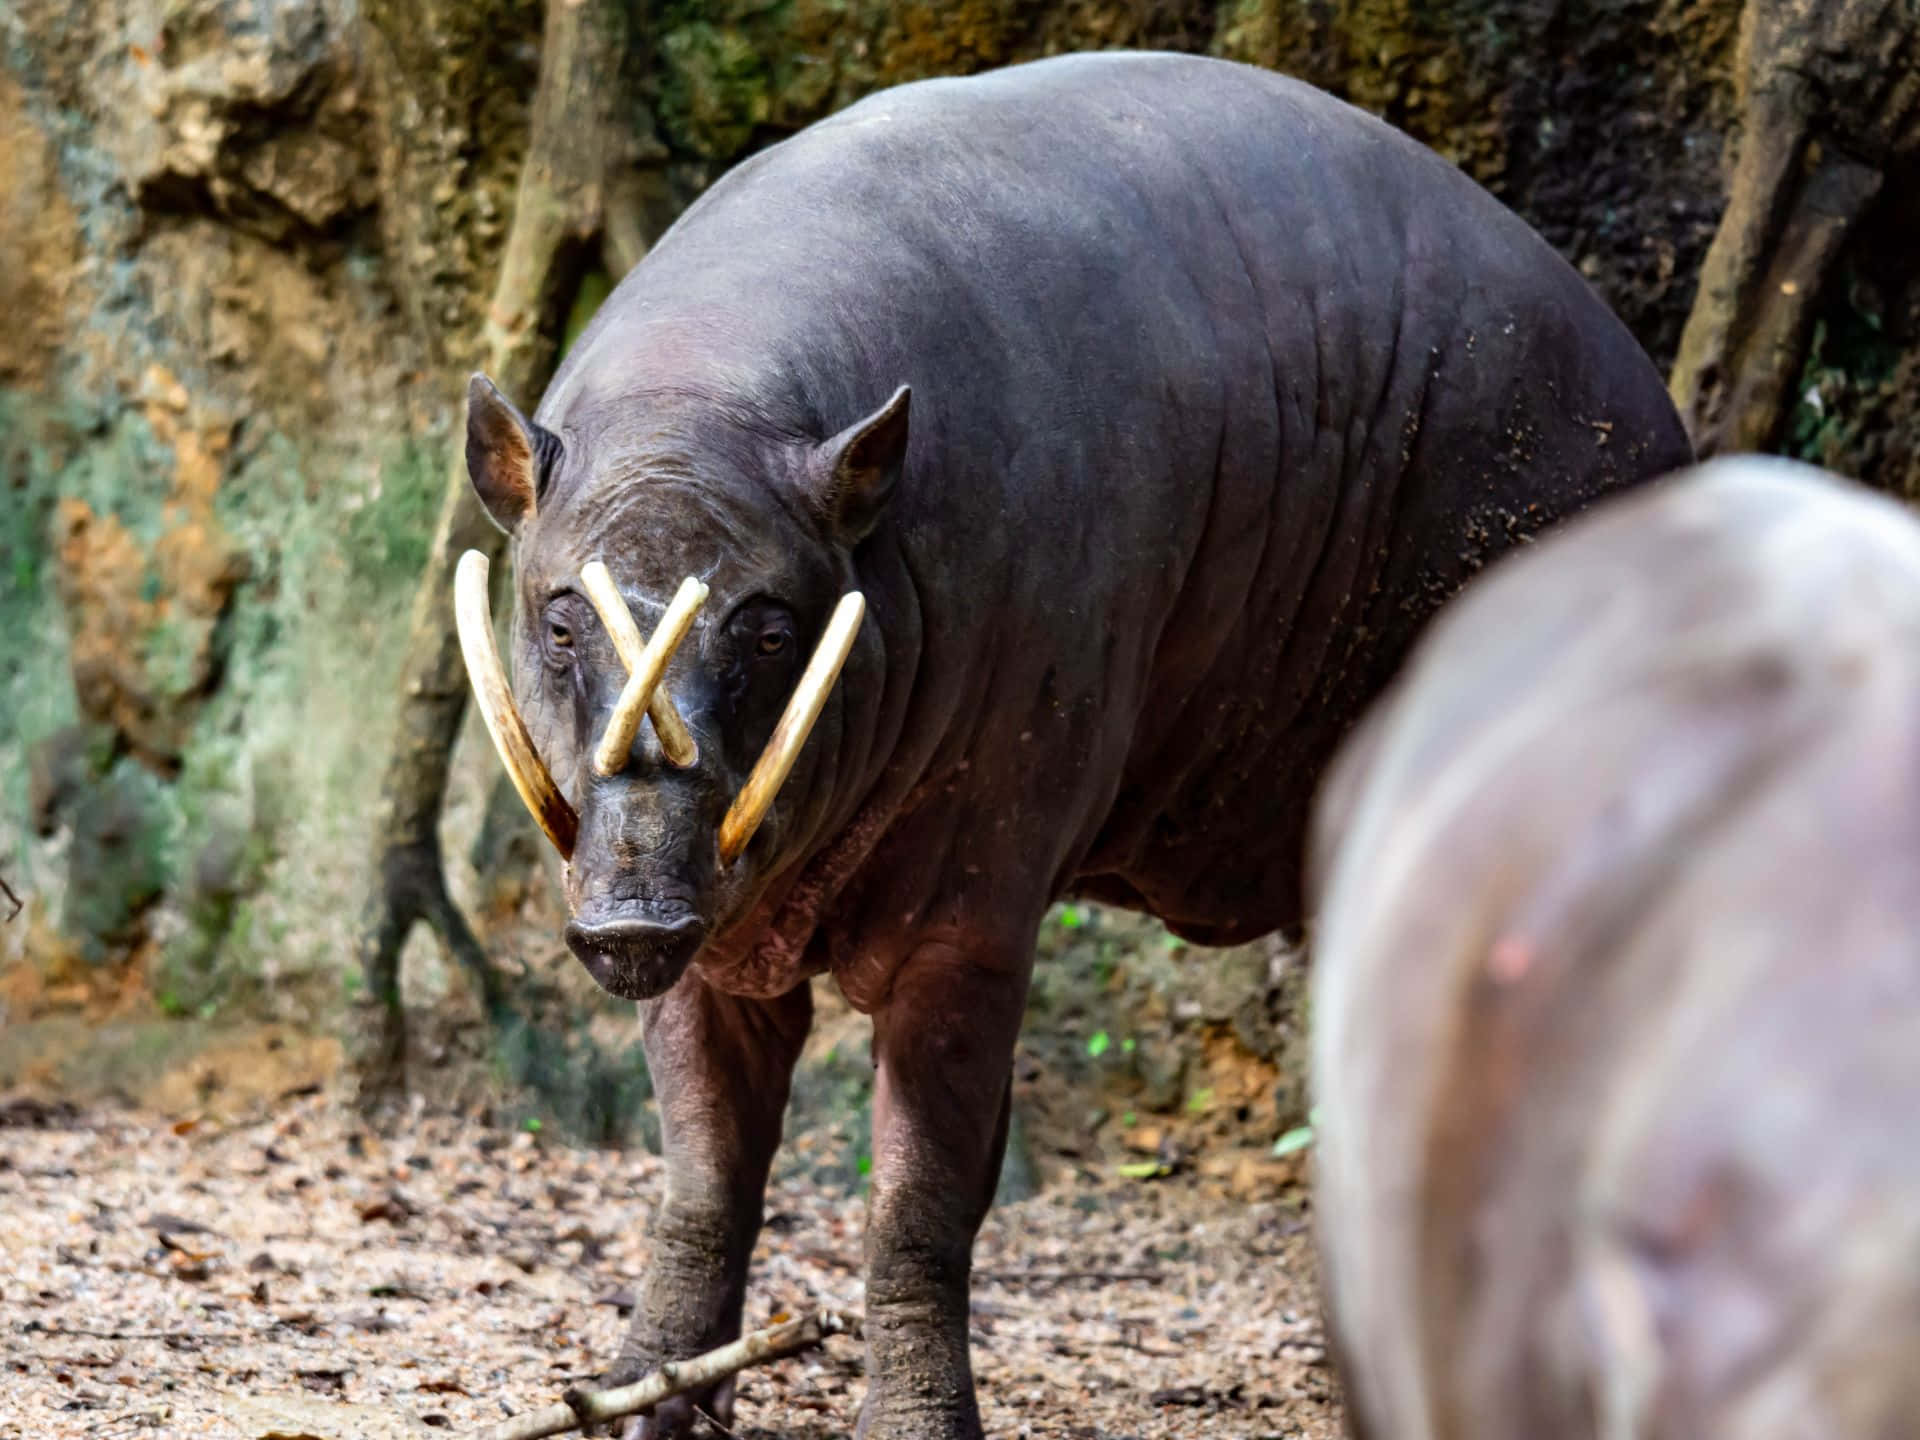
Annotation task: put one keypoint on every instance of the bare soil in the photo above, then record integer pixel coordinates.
(293, 1273)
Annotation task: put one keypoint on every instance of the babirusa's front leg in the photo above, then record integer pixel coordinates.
(943, 1050)
(722, 1067)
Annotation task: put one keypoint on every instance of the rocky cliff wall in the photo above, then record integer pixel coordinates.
(247, 244)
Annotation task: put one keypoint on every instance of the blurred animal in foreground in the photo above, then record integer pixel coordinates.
(1618, 987)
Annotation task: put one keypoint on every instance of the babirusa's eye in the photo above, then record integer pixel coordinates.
(561, 636)
(772, 642)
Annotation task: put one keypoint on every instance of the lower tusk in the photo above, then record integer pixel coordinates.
(474, 619)
(809, 696)
(645, 663)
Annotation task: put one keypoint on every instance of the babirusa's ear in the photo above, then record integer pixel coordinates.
(855, 471)
(508, 456)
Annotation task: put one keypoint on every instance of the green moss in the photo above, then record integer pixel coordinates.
(595, 286)
(26, 550)
(1850, 358)
(229, 837)
(386, 540)
(52, 452)
(121, 470)
(1253, 31)
(1436, 70)
(833, 1096)
(36, 689)
(123, 837)
(715, 88)
(312, 634)
(276, 765)
(589, 1094)
(171, 656)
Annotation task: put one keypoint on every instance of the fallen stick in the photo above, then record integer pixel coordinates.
(580, 1410)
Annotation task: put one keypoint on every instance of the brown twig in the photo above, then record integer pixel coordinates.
(18, 903)
(773, 1343)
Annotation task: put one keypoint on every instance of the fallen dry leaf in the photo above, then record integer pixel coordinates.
(1088, 1301)
(392, 1207)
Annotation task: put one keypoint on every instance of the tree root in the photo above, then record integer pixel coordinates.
(580, 152)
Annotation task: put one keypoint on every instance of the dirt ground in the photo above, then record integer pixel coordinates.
(293, 1273)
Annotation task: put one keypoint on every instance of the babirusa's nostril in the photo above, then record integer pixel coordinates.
(637, 959)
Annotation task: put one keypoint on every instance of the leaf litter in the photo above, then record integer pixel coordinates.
(299, 1274)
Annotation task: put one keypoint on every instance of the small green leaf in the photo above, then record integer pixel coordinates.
(864, 1165)
(1129, 1045)
(1298, 1138)
(1072, 917)
(1097, 1044)
(1130, 1118)
(1200, 1100)
(1144, 1170)
(531, 1125)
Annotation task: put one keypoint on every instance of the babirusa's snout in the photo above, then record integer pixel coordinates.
(474, 620)
(809, 696)
(646, 663)
(633, 958)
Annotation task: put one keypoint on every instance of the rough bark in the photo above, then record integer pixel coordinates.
(450, 86)
(1831, 104)
(579, 148)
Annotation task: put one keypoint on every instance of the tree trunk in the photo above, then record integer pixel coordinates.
(579, 152)
(1831, 100)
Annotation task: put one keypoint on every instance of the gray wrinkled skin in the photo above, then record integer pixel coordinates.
(1217, 388)
(1617, 1002)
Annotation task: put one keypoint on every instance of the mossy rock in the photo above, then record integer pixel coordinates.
(119, 859)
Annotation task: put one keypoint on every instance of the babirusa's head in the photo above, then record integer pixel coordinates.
(684, 609)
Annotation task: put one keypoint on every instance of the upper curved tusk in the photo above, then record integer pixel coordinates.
(474, 619)
(676, 741)
(646, 663)
(750, 807)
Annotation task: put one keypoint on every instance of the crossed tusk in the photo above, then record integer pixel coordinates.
(646, 663)
(809, 696)
(474, 619)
